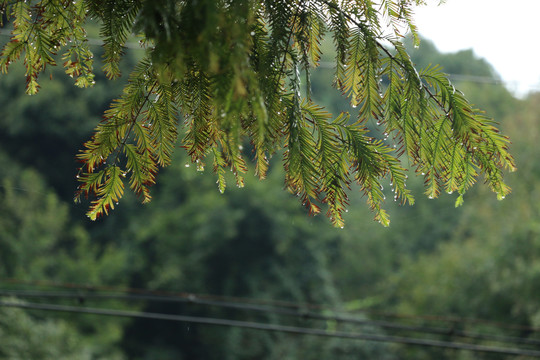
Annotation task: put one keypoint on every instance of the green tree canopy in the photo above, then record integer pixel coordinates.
(232, 71)
(23, 337)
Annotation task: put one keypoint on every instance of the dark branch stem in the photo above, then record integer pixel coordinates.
(385, 50)
(133, 122)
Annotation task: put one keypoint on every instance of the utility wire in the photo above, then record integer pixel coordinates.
(91, 41)
(274, 328)
(330, 65)
(457, 77)
(274, 310)
(299, 307)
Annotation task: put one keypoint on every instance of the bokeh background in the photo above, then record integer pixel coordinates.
(440, 274)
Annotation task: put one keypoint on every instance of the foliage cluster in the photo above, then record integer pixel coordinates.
(232, 70)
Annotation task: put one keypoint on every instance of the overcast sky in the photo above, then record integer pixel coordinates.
(504, 32)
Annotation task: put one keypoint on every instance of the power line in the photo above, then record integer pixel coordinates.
(299, 308)
(274, 310)
(456, 77)
(330, 65)
(274, 328)
(91, 41)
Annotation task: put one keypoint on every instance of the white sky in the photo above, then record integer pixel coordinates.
(504, 32)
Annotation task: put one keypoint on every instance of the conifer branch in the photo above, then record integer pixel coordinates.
(233, 72)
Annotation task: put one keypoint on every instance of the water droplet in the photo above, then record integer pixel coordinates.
(252, 33)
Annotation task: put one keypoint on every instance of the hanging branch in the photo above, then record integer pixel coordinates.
(231, 69)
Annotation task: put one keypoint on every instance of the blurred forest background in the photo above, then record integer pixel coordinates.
(192, 251)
